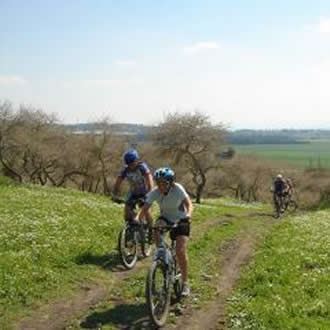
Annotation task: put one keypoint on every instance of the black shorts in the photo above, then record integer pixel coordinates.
(135, 200)
(182, 230)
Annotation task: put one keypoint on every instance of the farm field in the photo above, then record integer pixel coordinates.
(313, 154)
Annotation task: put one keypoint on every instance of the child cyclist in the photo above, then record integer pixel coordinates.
(175, 207)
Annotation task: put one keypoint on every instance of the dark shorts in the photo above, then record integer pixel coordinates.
(135, 200)
(181, 230)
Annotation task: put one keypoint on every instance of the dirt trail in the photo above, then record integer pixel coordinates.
(212, 316)
(53, 316)
(57, 315)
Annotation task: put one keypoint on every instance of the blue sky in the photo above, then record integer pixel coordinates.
(248, 64)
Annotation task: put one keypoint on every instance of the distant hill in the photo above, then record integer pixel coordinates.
(119, 128)
(243, 136)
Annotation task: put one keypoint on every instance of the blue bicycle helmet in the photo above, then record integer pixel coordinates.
(131, 156)
(164, 174)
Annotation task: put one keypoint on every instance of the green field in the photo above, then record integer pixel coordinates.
(313, 155)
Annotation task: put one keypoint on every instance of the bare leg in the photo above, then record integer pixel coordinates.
(182, 256)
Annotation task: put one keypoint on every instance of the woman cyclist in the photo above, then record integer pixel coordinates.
(175, 207)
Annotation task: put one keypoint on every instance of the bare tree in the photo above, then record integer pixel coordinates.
(102, 155)
(32, 146)
(193, 142)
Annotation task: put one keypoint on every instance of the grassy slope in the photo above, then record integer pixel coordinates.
(288, 285)
(53, 239)
(44, 236)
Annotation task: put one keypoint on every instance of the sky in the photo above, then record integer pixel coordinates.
(259, 64)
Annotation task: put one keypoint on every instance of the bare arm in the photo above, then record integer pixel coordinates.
(188, 206)
(149, 181)
(116, 187)
(145, 212)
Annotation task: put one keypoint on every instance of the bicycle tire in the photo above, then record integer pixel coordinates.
(127, 247)
(178, 286)
(158, 299)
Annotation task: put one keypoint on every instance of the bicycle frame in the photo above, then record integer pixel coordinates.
(164, 251)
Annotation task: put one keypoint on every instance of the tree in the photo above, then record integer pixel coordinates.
(192, 141)
(30, 143)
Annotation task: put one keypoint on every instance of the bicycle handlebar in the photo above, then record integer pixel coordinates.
(164, 227)
(169, 225)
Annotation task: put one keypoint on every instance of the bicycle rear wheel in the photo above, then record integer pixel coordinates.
(127, 247)
(158, 293)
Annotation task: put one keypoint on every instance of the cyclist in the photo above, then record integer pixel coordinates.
(139, 177)
(279, 189)
(175, 207)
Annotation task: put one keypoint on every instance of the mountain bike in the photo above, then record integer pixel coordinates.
(163, 277)
(132, 237)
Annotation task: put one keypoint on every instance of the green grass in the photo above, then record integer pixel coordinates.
(314, 154)
(45, 236)
(288, 285)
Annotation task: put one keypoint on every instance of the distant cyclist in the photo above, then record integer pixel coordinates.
(279, 189)
(175, 207)
(139, 177)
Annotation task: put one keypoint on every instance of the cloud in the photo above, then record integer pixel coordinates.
(125, 62)
(12, 80)
(323, 25)
(201, 46)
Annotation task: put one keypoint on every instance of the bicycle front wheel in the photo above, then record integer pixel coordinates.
(178, 285)
(158, 294)
(127, 247)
